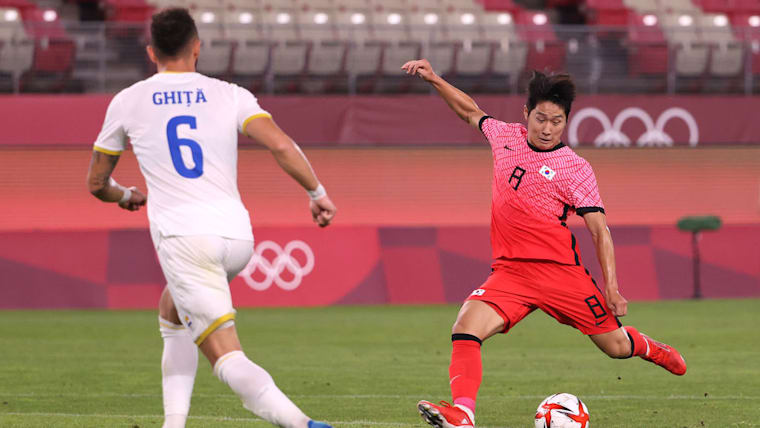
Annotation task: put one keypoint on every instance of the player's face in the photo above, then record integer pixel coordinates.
(546, 123)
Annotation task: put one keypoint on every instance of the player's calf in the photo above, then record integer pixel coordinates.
(179, 363)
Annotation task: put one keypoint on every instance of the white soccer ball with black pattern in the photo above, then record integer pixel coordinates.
(562, 411)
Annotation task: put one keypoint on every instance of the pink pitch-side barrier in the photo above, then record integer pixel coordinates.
(413, 221)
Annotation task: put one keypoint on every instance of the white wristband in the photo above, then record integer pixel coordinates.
(127, 192)
(126, 196)
(317, 193)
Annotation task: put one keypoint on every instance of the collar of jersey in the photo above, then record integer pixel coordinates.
(536, 149)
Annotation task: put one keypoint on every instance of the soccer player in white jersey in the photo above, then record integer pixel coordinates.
(183, 127)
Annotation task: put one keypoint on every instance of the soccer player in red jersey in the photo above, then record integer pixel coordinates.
(538, 182)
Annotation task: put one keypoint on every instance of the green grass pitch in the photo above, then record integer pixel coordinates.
(368, 366)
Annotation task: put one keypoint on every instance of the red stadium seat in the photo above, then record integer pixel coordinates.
(128, 10)
(648, 50)
(608, 12)
(53, 50)
(747, 28)
(545, 50)
(497, 5)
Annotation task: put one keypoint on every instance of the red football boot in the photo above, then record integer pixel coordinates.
(444, 415)
(664, 356)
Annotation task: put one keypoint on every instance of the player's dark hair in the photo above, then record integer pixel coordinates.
(171, 31)
(557, 88)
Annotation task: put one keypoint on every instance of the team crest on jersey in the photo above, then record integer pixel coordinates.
(547, 172)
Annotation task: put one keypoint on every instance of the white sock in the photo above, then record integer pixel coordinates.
(179, 363)
(257, 390)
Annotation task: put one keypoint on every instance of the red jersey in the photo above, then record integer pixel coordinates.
(534, 191)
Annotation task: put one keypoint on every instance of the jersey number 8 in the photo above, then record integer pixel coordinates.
(175, 143)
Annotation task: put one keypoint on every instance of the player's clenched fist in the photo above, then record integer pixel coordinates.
(420, 67)
(617, 303)
(323, 210)
(136, 200)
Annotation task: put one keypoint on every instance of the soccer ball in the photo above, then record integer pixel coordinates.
(562, 411)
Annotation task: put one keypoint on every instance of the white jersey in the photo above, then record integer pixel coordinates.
(184, 129)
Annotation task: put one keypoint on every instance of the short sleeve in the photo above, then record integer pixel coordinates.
(248, 108)
(500, 134)
(584, 192)
(112, 139)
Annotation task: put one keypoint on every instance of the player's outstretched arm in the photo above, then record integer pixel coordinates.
(291, 159)
(462, 104)
(105, 188)
(596, 222)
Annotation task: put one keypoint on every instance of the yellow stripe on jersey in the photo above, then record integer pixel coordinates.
(106, 151)
(221, 320)
(255, 116)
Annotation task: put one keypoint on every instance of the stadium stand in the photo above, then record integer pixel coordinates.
(358, 45)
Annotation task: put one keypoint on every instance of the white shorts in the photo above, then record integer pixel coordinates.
(198, 270)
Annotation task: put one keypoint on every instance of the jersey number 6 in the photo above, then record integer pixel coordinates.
(175, 143)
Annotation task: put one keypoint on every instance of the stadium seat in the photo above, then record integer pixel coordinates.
(163, 4)
(232, 5)
(473, 49)
(391, 28)
(501, 5)
(54, 50)
(510, 53)
(427, 29)
(387, 6)
(608, 12)
(545, 51)
(138, 11)
(315, 5)
(364, 52)
(648, 51)
(726, 52)
(217, 49)
(16, 47)
(353, 5)
(691, 54)
(289, 50)
(460, 6)
(426, 6)
(679, 6)
(746, 28)
(327, 52)
(642, 6)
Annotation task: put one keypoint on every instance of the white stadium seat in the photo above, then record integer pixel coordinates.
(726, 55)
(690, 53)
(288, 49)
(16, 47)
(217, 49)
(326, 51)
(364, 53)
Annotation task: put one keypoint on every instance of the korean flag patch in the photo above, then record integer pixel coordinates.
(547, 172)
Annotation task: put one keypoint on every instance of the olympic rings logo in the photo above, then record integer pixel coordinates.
(283, 260)
(613, 136)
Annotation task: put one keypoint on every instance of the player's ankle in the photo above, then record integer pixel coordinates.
(470, 411)
(175, 421)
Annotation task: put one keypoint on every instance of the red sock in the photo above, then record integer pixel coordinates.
(638, 343)
(466, 369)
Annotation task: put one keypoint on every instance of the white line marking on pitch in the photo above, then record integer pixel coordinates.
(370, 396)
